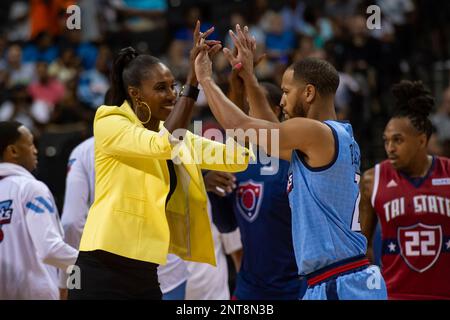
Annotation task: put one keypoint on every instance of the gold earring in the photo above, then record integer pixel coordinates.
(140, 103)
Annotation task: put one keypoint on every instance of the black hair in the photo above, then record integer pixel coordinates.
(108, 98)
(9, 134)
(414, 102)
(129, 69)
(317, 72)
(274, 93)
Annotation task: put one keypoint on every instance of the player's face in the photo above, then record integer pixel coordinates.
(402, 142)
(291, 101)
(25, 150)
(159, 92)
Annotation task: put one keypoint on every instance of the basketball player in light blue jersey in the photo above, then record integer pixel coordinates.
(324, 170)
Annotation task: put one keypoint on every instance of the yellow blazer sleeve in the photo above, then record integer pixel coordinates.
(116, 135)
(228, 157)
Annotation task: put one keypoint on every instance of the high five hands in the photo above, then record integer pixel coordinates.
(242, 58)
(200, 43)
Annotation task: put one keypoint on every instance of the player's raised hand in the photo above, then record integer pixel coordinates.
(242, 59)
(203, 64)
(213, 47)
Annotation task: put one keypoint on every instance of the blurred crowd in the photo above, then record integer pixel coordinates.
(53, 78)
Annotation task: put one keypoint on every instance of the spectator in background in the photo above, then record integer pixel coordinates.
(316, 26)
(142, 20)
(3, 47)
(45, 16)
(141, 15)
(339, 11)
(292, 14)
(46, 88)
(256, 31)
(18, 72)
(279, 42)
(90, 32)
(306, 48)
(178, 52)
(441, 121)
(42, 48)
(66, 67)
(19, 24)
(85, 51)
(435, 147)
(19, 107)
(70, 109)
(94, 83)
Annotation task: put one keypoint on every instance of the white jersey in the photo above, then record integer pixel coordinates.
(80, 193)
(211, 283)
(31, 237)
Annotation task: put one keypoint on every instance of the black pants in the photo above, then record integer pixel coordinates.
(105, 275)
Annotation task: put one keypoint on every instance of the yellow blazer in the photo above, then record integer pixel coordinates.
(129, 216)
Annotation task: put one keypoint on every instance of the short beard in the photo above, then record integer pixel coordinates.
(299, 110)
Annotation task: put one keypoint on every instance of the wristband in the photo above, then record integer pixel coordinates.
(189, 91)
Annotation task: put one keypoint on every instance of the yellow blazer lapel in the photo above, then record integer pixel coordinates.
(185, 156)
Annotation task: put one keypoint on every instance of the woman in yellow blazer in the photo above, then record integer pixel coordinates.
(150, 197)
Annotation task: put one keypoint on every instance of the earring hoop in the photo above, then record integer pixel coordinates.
(140, 103)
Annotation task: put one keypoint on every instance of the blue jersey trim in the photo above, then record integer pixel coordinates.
(335, 265)
(417, 182)
(327, 166)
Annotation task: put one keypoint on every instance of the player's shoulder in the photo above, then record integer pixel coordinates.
(84, 147)
(443, 165)
(120, 112)
(34, 187)
(444, 161)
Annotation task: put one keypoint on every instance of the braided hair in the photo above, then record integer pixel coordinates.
(414, 102)
(129, 69)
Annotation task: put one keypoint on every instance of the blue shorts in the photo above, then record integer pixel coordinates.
(364, 283)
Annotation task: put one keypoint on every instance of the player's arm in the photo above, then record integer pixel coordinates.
(257, 100)
(236, 92)
(45, 228)
(180, 116)
(368, 217)
(75, 209)
(311, 137)
(232, 245)
(76, 201)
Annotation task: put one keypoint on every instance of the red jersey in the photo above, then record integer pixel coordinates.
(415, 228)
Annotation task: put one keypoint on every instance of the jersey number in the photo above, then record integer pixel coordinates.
(419, 243)
(356, 225)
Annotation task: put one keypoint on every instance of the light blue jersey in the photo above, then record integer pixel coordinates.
(324, 202)
(329, 248)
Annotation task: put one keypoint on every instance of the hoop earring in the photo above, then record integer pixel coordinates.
(140, 103)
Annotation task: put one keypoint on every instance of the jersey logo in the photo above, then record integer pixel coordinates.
(420, 245)
(391, 184)
(440, 182)
(39, 205)
(5, 215)
(249, 197)
(290, 184)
